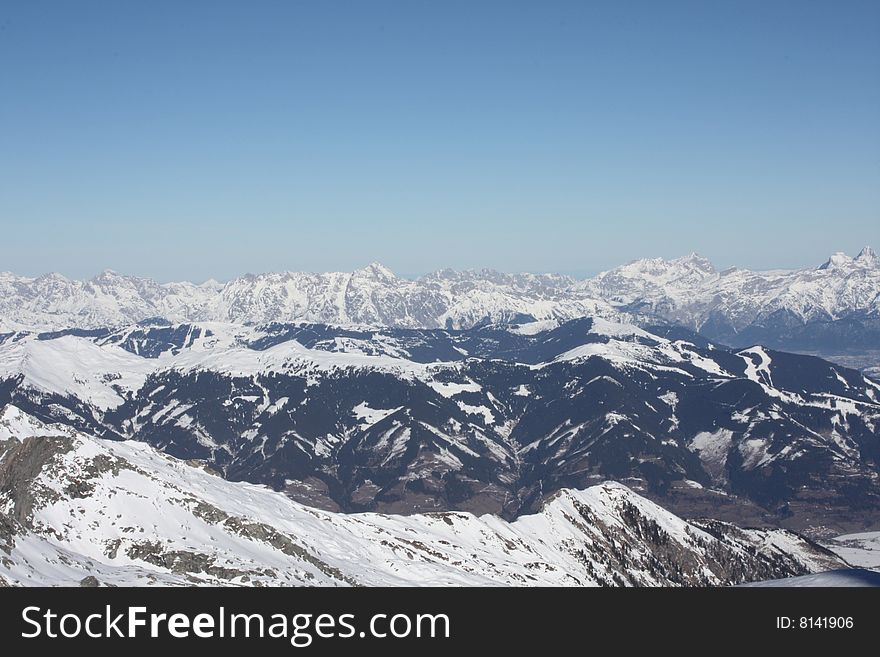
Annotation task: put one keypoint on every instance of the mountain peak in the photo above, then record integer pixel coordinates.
(18, 425)
(211, 284)
(376, 271)
(696, 261)
(837, 260)
(52, 276)
(867, 256)
(109, 275)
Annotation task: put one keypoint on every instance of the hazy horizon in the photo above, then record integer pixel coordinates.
(577, 274)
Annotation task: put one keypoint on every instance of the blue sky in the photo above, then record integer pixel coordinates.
(208, 139)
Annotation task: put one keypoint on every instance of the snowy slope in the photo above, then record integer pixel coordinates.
(73, 506)
(103, 373)
(861, 549)
(848, 577)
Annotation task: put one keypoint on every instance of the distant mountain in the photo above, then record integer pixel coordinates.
(690, 290)
(832, 310)
(76, 509)
(369, 296)
(490, 419)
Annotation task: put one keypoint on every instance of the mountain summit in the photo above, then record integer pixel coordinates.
(868, 257)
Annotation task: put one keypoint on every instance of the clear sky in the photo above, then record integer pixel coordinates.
(188, 140)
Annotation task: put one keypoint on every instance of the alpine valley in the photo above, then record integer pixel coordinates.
(662, 423)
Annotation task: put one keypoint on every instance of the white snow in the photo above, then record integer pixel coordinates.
(15, 424)
(453, 389)
(758, 372)
(533, 328)
(77, 367)
(486, 413)
(615, 329)
(712, 447)
(370, 416)
(844, 578)
(861, 549)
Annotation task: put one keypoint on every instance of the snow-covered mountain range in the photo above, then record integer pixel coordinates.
(830, 310)
(301, 399)
(691, 291)
(489, 419)
(79, 510)
(369, 296)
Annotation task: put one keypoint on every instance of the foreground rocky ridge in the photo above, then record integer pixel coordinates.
(77, 509)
